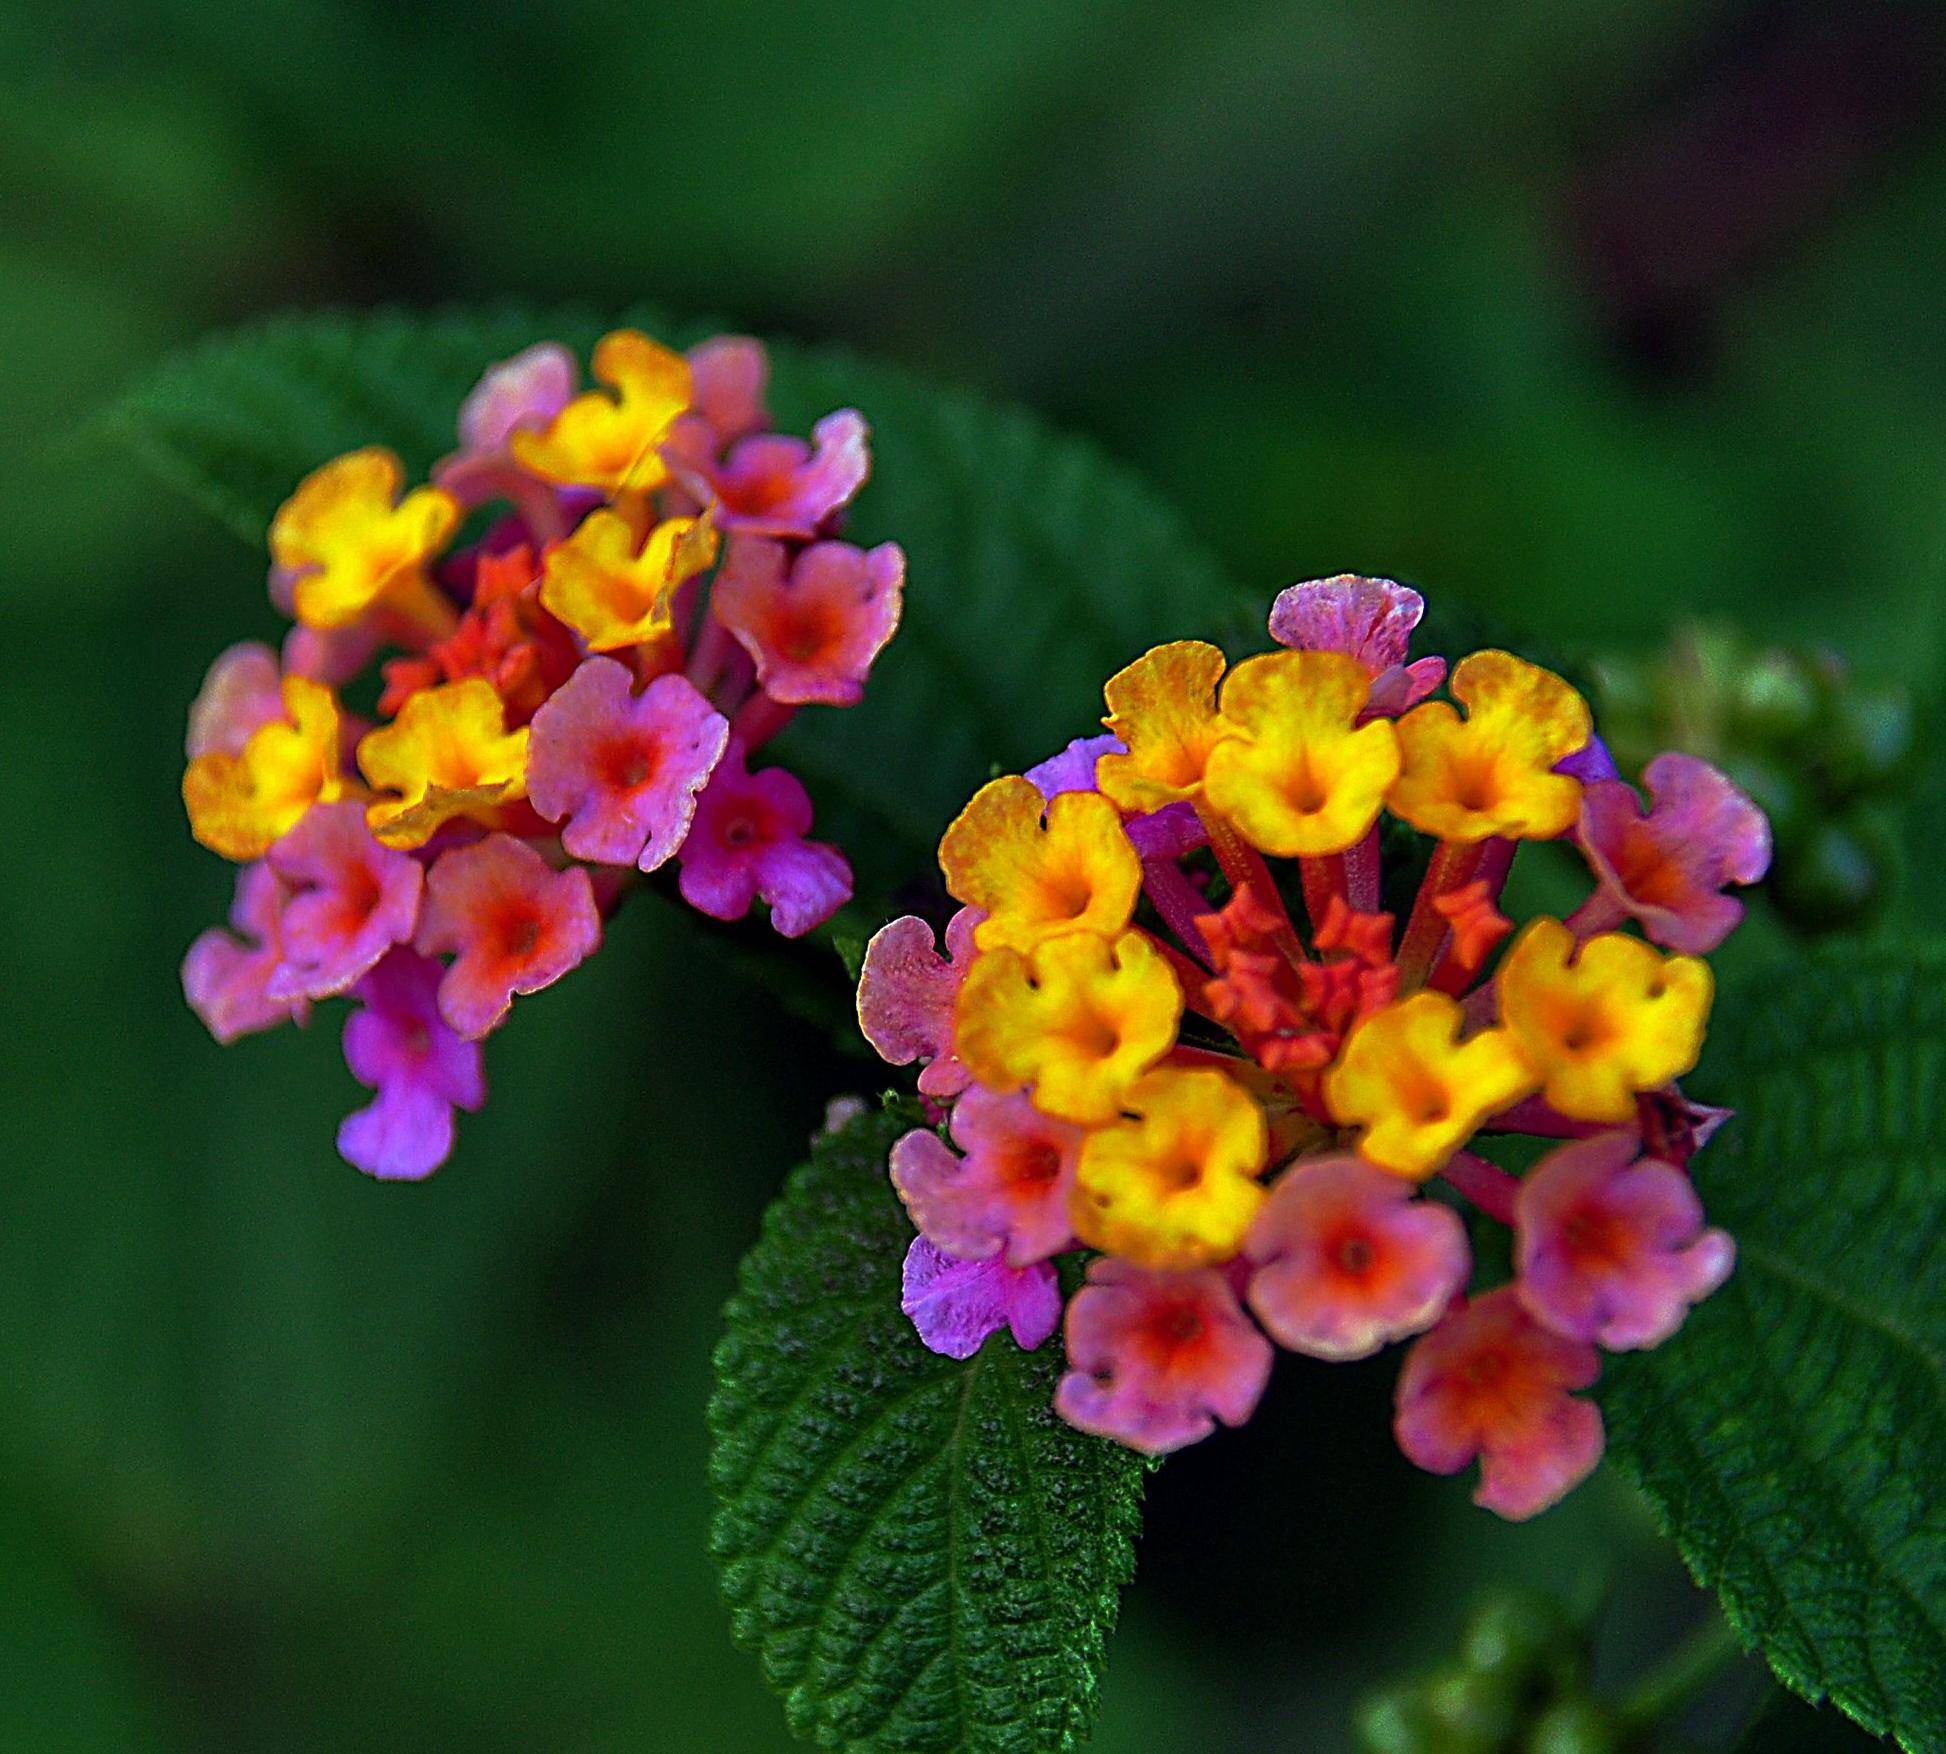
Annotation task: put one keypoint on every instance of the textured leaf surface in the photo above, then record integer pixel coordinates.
(1036, 566)
(1793, 1437)
(923, 1556)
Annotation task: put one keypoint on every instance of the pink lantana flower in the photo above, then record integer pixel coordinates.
(520, 394)
(1367, 619)
(747, 841)
(241, 693)
(813, 624)
(1491, 1383)
(351, 900)
(1156, 1359)
(624, 769)
(398, 1045)
(1007, 1196)
(511, 923)
(1611, 1247)
(771, 484)
(1668, 866)
(906, 991)
(226, 975)
(1348, 1260)
(728, 378)
(955, 1304)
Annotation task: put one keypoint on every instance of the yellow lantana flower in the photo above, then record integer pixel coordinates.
(609, 441)
(240, 804)
(1078, 873)
(613, 586)
(1174, 1184)
(448, 753)
(1416, 1089)
(1492, 772)
(349, 543)
(1294, 771)
(1080, 1019)
(1163, 707)
(1601, 1026)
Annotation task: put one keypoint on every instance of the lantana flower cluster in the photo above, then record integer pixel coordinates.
(584, 627)
(1173, 1025)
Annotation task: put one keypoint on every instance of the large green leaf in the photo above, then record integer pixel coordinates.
(1793, 1437)
(923, 1556)
(1036, 566)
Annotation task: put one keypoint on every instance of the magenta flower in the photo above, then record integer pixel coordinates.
(1491, 1383)
(747, 841)
(1367, 619)
(519, 394)
(813, 624)
(241, 693)
(1155, 1359)
(1611, 1247)
(226, 976)
(624, 769)
(1007, 1196)
(906, 992)
(1668, 867)
(1348, 1260)
(398, 1045)
(770, 484)
(955, 1304)
(351, 900)
(1073, 770)
(511, 922)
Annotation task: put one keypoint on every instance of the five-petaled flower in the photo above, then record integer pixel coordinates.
(569, 699)
(1231, 1079)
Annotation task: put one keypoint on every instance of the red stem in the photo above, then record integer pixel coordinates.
(1362, 873)
(1486, 1184)
(1245, 868)
(759, 719)
(1453, 866)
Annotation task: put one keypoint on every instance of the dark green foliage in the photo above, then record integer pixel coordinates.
(922, 1555)
(1790, 1438)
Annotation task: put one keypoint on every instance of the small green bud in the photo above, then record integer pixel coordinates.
(1476, 1711)
(1833, 877)
(1398, 1720)
(1512, 1633)
(1575, 1726)
(1775, 699)
(1779, 791)
(1865, 739)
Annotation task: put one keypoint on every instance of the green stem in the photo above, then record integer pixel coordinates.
(1667, 1688)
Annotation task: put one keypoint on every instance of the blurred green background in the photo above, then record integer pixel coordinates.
(1590, 314)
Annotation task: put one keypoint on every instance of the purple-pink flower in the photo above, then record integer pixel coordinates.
(747, 841)
(955, 1304)
(510, 921)
(812, 624)
(1156, 1359)
(519, 394)
(625, 770)
(1668, 866)
(906, 991)
(226, 975)
(1348, 1260)
(1008, 1195)
(1367, 619)
(771, 484)
(1490, 1383)
(351, 900)
(242, 692)
(397, 1044)
(1611, 1246)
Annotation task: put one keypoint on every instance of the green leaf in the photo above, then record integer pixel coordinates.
(923, 1556)
(1793, 1438)
(1036, 566)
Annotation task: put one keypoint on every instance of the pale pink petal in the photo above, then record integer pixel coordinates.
(1008, 1195)
(351, 900)
(1349, 1260)
(519, 394)
(813, 623)
(1156, 1359)
(511, 922)
(624, 770)
(241, 693)
(226, 977)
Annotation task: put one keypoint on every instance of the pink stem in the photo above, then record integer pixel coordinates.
(1362, 873)
(1178, 903)
(1601, 912)
(1324, 882)
(706, 657)
(759, 719)
(1453, 867)
(1534, 1116)
(1486, 1184)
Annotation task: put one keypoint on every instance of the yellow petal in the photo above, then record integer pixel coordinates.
(1163, 707)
